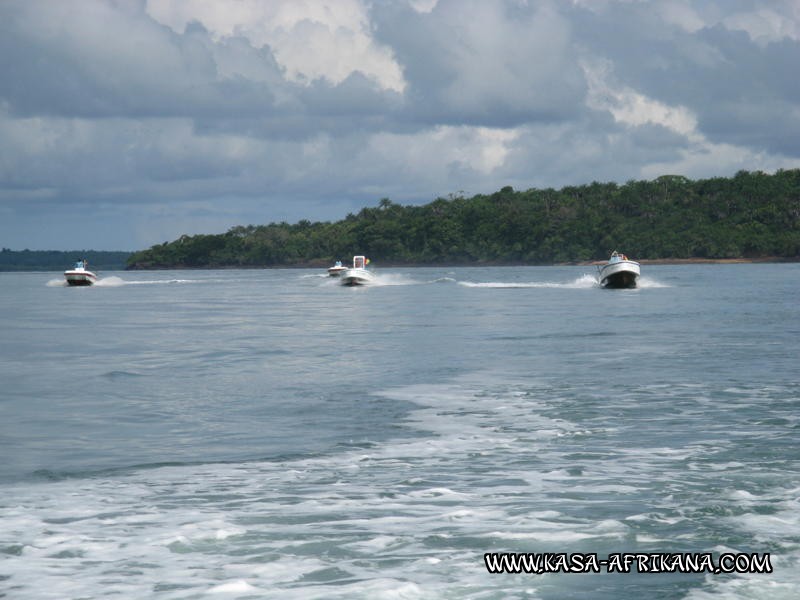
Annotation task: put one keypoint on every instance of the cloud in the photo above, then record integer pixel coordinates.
(767, 25)
(164, 117)
(310, 39)
(99, 61)
(484, 63)
(738, 89)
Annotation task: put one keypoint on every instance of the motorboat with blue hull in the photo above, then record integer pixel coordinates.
(619, 272)
(80, 274)
(358, 274)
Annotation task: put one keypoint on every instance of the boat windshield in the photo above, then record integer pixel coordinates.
(617, 257)
(358, 262)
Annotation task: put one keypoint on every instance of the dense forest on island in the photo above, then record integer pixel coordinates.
(750, 215)
(60, 260)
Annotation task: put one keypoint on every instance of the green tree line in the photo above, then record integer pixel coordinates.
(750, 215)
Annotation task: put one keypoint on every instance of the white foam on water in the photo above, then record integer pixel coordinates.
(492, 467)
(782, 520)
(586, 281)
(583, 282)
(380, 280)
(178, 526)
(112, 281)
(235, 587)
(164, 281)
(782, 584)
(755, 587)
(390, 279)
(650, 283)
(115, 281)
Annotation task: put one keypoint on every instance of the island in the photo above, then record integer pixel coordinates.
(750, 216)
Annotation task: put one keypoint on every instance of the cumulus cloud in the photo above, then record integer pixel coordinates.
(485, 63)
(164, 117)
(310, 39)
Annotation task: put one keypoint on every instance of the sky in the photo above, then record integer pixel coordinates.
(128, 123)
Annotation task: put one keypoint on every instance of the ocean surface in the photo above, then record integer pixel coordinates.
(271, 434)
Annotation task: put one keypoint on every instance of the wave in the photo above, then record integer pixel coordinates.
(585, 281)
(382, 280)
(114, 281)
(650, 283)
(495, 462)
(118, 281)
(388, 279)
(110, 282)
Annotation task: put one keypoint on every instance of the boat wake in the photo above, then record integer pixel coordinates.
(379, 280)
(162, 281)
(583, 282)
(114, 281)
(102, 282)
(110, 282)
(387, 279)
(648, 282)
(415, 509)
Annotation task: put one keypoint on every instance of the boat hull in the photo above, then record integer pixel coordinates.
(336, 271)
(352, 277)
(622, 274)
(80, 278)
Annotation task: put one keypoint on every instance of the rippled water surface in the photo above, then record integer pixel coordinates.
(269, 433)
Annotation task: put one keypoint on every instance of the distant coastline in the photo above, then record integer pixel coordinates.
(751, 217)
(5, 268)
(402, 265)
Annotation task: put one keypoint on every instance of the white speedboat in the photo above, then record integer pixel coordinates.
(358, 275)
(336, 269)
(619, 272)
(80, 275)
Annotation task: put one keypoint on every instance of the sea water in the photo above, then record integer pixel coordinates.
(270, 433)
